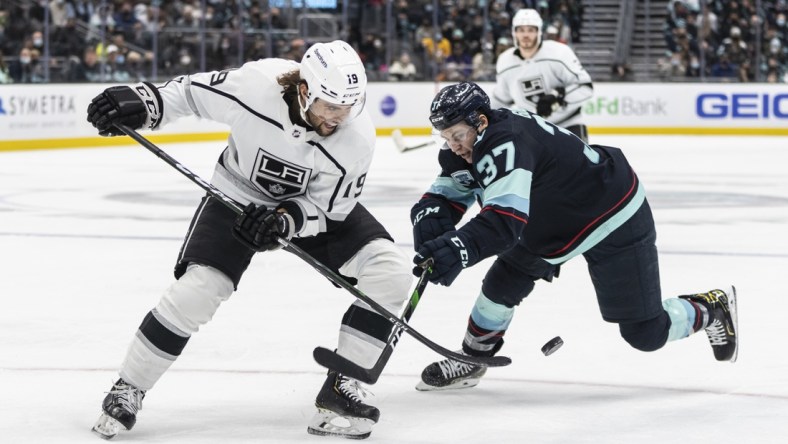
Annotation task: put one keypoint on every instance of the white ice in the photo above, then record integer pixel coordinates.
(88, 239)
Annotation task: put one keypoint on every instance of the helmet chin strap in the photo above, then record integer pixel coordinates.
(302, 109)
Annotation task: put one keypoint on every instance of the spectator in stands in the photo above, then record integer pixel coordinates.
(125, 20)
(116, 61)
(551, 33)
(5, 75)
(724, 69)
(621, 72)
(459, 65)
(27, 68)
(101, 23)
(83, 9)
(88, 69)
(257, 50)
(737, 52)
(402, 69)
(59, 12)
(484, 63)
(67, 41)
(295, 50)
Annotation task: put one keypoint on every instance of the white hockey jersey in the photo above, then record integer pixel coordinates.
(269, 159)
(521, 82)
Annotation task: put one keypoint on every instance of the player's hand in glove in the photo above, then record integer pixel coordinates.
(450, 253)
(118, 104)
(430, 219)
(548, 103)
(259, 228)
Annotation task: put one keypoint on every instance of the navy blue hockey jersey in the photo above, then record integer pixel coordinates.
(538, 185)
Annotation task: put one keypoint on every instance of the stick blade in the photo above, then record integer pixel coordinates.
(333, 361)
(399, 141)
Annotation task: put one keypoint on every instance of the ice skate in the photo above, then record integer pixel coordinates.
(450, 374)
(723, 326)
(120, 408)
(341, 410)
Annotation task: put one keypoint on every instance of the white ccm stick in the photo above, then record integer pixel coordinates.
(399, 142)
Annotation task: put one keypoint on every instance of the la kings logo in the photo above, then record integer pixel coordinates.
(533, 88)
(278, 178)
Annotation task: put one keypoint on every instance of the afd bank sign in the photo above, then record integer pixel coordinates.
(741, 105)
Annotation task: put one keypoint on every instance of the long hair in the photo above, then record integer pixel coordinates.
(289, 82)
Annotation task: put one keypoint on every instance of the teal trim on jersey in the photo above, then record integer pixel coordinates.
(512, 191)
(491, 316)
(446, 186)
(606, 228)
(682, 318)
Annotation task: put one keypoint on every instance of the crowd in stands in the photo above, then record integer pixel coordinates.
(721, 39)
(115, 40)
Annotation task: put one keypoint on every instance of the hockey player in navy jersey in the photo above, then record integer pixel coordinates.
(298, 153)
(542, 76)
(546, 197)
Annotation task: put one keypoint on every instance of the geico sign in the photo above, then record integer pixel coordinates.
(741, 106)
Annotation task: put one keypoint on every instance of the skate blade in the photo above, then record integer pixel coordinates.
(735, 318)
(328, 423)
(465, 383)
(107, 427)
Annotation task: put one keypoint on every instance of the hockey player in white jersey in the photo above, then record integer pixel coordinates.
(298, 153)
(543, 77)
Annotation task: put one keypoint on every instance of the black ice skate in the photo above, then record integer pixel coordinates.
(120, 408)
(341, 410)
(450, 374)
(723, 325)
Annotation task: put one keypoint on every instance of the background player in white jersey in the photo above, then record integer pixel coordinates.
(543, 77)
(299, 149)
(546, 197)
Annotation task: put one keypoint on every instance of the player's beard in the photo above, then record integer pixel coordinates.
(528, 45)
(321, 127)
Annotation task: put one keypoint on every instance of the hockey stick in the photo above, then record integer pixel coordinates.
(333, 361)
(399, 142)
(494, 361)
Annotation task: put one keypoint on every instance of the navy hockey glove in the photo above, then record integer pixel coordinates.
(450, 254)
(259, 227)
(430, 219)
(121, 104)
(547, 104)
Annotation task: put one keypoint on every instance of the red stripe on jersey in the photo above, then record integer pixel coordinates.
(593, 222)
(505, 213)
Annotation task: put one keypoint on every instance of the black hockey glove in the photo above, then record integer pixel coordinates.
(450, 254)
(430, 219)
(118, 104)
(259, 227)
(549, 103)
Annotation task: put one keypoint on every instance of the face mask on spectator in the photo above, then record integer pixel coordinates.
(25, 60)
(38, 42)
(120, 59)
(781, 21)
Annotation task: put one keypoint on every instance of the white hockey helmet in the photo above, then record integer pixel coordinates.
(333, 72)
(527, 17)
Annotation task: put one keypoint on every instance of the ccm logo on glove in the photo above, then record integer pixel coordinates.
(426, 212)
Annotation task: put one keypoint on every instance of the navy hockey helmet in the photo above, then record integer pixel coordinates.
(457, 103)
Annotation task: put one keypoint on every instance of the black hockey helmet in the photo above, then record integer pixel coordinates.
(456, 103)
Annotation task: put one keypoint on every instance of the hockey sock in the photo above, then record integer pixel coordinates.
(486, 326)
(686, 317)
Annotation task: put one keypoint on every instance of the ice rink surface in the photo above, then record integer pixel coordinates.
(89, 238)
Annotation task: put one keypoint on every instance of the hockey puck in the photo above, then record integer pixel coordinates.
(552, 345)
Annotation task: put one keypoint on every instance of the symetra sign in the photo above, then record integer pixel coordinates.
(741, 106)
